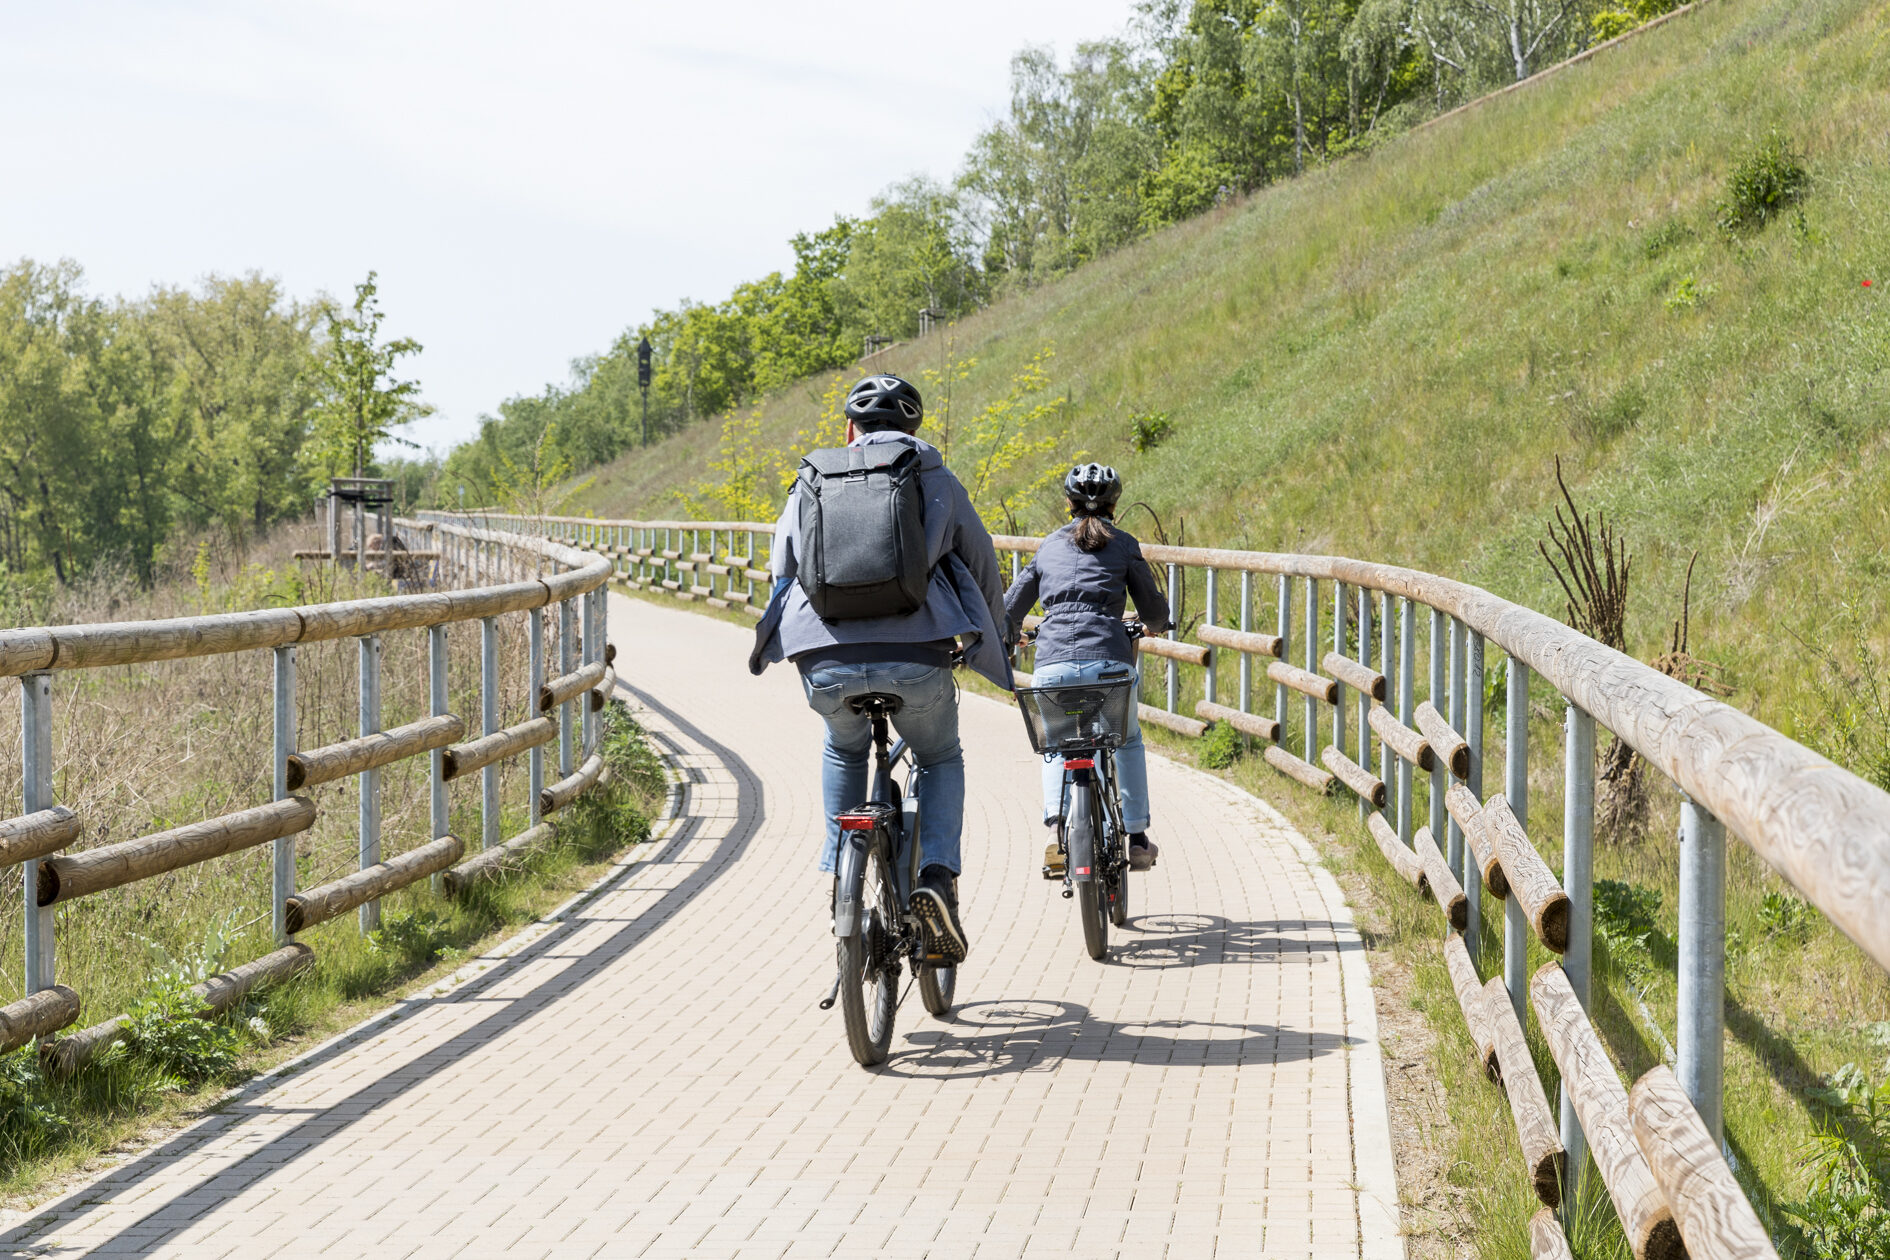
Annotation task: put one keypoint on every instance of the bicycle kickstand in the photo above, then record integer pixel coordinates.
(833, 994)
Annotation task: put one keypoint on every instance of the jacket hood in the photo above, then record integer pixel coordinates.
(929, 457)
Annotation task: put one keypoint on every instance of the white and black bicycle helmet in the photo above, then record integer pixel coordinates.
(884, 402)
(1093, 487)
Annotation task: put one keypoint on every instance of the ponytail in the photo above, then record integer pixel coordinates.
(1092, 532)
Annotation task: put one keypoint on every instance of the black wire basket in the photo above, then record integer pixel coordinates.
(1078, 715)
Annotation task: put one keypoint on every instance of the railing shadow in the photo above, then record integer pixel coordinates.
(277, 1156)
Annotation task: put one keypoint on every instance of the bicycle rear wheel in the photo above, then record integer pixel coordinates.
(937, 985)
(1119, 893)
(869, 980)
(1092, 898)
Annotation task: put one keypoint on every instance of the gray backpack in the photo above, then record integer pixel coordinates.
(862, 532)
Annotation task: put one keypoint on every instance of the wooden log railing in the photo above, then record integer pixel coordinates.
(524, 575)
(1820, 827)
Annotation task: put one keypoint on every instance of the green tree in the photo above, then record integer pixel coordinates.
(361, 401)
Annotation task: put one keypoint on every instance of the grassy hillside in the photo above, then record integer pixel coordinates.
(1385, 358)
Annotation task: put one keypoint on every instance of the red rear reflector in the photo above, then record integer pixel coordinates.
(1082, 870)
(1079, 763)
(856, 822)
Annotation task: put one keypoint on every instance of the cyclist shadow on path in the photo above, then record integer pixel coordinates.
(1014, 1035)
(1156, 942)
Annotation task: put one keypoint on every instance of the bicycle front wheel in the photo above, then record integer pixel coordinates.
(869, 979)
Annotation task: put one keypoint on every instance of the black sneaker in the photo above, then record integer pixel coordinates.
(1142, 851)
(935, 902)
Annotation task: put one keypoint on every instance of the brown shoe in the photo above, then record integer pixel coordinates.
(1142, 852)
(1052, 861)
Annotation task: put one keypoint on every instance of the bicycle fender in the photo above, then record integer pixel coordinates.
(1082, 836)
(851, 879)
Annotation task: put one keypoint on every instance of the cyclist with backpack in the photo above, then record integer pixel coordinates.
(882, 571)
(1084, 574)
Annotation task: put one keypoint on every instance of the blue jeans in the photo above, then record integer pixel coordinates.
(1131, 759)
(927, 721)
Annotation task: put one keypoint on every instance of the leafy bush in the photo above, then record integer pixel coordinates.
(1221, 747)
(29, 1115)
(420, 936)
(1846, 1214)
(1688, 294)
(1763, 184)
(1624, 920)
(1782, 914)
(163, 1030)
(1148, 429)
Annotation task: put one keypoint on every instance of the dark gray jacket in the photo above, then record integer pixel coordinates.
(965, 602)
(1083, 594)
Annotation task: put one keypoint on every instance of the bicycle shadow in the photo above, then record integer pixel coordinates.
(1012, 1035)
(1159, 941)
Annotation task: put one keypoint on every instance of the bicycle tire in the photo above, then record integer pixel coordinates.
(937, 986)
(1092, 902)
(869, 989)
(1119, 895)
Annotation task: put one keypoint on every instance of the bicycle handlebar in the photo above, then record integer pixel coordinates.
(1133, 627)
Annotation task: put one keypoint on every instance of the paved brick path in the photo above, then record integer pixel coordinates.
(651, 1076)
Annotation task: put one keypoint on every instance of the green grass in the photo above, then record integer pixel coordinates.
(1384, 359)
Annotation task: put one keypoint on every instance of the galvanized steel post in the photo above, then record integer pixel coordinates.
(1312, 666)
(1388, 666)
(1213, 613)
(1174, 631)
(1286, 647)
(1364, 697)
(591, 653)
(1339, 618)
(36, 793)
(1407, 707)
(489, 725)
(1456, 716)
(1699, 1040)
(282, 851)
(1516, 792)
(440, 822)
(1578, 877)
(567, 663)
(1440, 773)
(535, 625)
(370, 780)
(1246, 627)
(1473, 714)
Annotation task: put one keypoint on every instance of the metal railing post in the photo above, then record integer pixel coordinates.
(1364, 698)
(1312, 667)
(1473, 715)
(590, 652)
(1455, 713)
(370, 780)
(1440, 773)
(1286, 653)
(36, 793)
(1578, 875)
(1174, 632)
(536, 758)
(489, 725)
(1213, 614)
(567, 662)
(282, 851)
(1407, 708)
(1340, 616)
(1699, 1040)
(1388, 666)
(440, 821)
(1516, 792)
(1246, 627)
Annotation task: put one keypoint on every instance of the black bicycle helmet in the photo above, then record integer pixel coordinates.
(884, 402)
(1093, 487)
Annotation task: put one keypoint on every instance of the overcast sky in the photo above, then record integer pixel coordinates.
(528, 179)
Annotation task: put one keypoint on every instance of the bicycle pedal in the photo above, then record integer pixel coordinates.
(1053, 872)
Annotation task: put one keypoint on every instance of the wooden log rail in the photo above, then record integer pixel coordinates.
(1301, 772)
(1186, 653)
(318, 905)
(1709, 1207)
(37, 1015)
(1527, 876)
(1404, 742)
(1445, 889)
(1263, 728)
(37, 834)
(1241, 641)
(1402, 859)
(337, 761)
(108, 866)
(1463, 807)
(560, 794)
(569, 686)
(1363, 782)
(1354, 675)
(1446, 744)
(1542, 1151)
(1304, 681)
(462, 759)
(496, 861)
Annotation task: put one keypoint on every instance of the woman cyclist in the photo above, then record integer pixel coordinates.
(1083, 574)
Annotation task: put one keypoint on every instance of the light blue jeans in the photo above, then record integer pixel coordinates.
(928, 722)
(1131, 760)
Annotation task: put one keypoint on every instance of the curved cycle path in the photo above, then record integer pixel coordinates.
(650, 1075)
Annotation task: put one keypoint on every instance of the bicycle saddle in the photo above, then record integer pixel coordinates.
(874, 702)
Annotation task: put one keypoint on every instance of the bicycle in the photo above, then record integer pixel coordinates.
(1085, 723)
(874, 927)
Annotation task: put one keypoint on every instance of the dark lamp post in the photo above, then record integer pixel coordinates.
(644, 351)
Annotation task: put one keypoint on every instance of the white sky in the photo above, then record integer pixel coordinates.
(528, 179)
